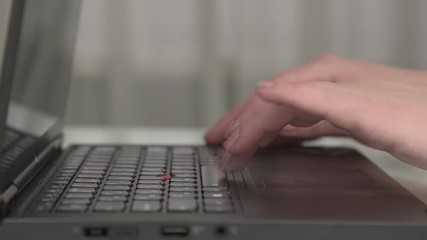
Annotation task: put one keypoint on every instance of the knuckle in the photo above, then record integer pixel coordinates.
(290, 75)
(328, 58)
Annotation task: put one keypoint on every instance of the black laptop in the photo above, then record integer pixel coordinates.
(165, 192)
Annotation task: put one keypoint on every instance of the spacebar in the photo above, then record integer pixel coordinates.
(212, 176)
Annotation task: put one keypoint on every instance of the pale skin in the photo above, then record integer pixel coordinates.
(380, 106)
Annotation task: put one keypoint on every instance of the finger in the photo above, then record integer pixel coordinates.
(292, 135)
(217, 134)
(323, 128)
(328, 68)
(268, 139)
(324, 100)
(302, 97)
(259, 120)
(323, 68)
(354, 109)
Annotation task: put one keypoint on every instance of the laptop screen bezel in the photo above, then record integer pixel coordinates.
(10, 56)
(14, 40)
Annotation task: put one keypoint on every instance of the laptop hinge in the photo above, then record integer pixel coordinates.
(26, 175)
(39, 161)
(6, 198)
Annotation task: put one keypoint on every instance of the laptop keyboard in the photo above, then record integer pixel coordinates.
(138, 179)
(13, 145)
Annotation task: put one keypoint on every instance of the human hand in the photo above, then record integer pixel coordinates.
(380, 106)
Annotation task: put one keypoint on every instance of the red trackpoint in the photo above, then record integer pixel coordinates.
(166, 177)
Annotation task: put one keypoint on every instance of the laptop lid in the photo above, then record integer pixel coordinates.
(35, 76)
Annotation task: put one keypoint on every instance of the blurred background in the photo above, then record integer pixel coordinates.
(163, 63)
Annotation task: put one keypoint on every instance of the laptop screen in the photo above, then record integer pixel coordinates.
(39, 75)
(4, 19)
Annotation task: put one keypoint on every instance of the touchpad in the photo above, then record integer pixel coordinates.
(322, 183)
(312, 177)
(314, 168)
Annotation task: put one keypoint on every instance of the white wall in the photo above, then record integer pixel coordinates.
(184, 63)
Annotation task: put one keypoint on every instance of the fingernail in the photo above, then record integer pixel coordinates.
(265, 84)
(231, 127)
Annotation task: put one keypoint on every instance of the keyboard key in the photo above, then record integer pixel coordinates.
(70, 171)
(93, 172)
(152, 173)
(159, 161)
(94, 168)
(112, 198)
(109, 207)
(53, 190)
(216, 201)
(51, 195)
(184, 164)
(95, 164)
(183, 195)
(150, 178)
(215, 189)
(182, 205)
(71, 208)
(185, 175)
(122, 178)
(148, 197)
(130, 159)
(122, 169)
(114, 173)
(87, 180)
(184, 167)
(182, 184)
(156, 150)
(45, 199)
(117, 187)
(178, 179)
(120, 164)
(147, 169)
(182, 189)
(212, 176)
(60, 182)
(218, 209)
(59, 186)
(126, 165)
(118, 182)
(146, 206)
(43, 206)
(175, 172)
(185, 160)
(75, 201)
(79, 195)
(97, 176)
(149, 191)
(85, 185)
(161, 182)
(183, 151)
(82, 190)
(154, 165)
(150, 186)
(114, 193)
(215, 195)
